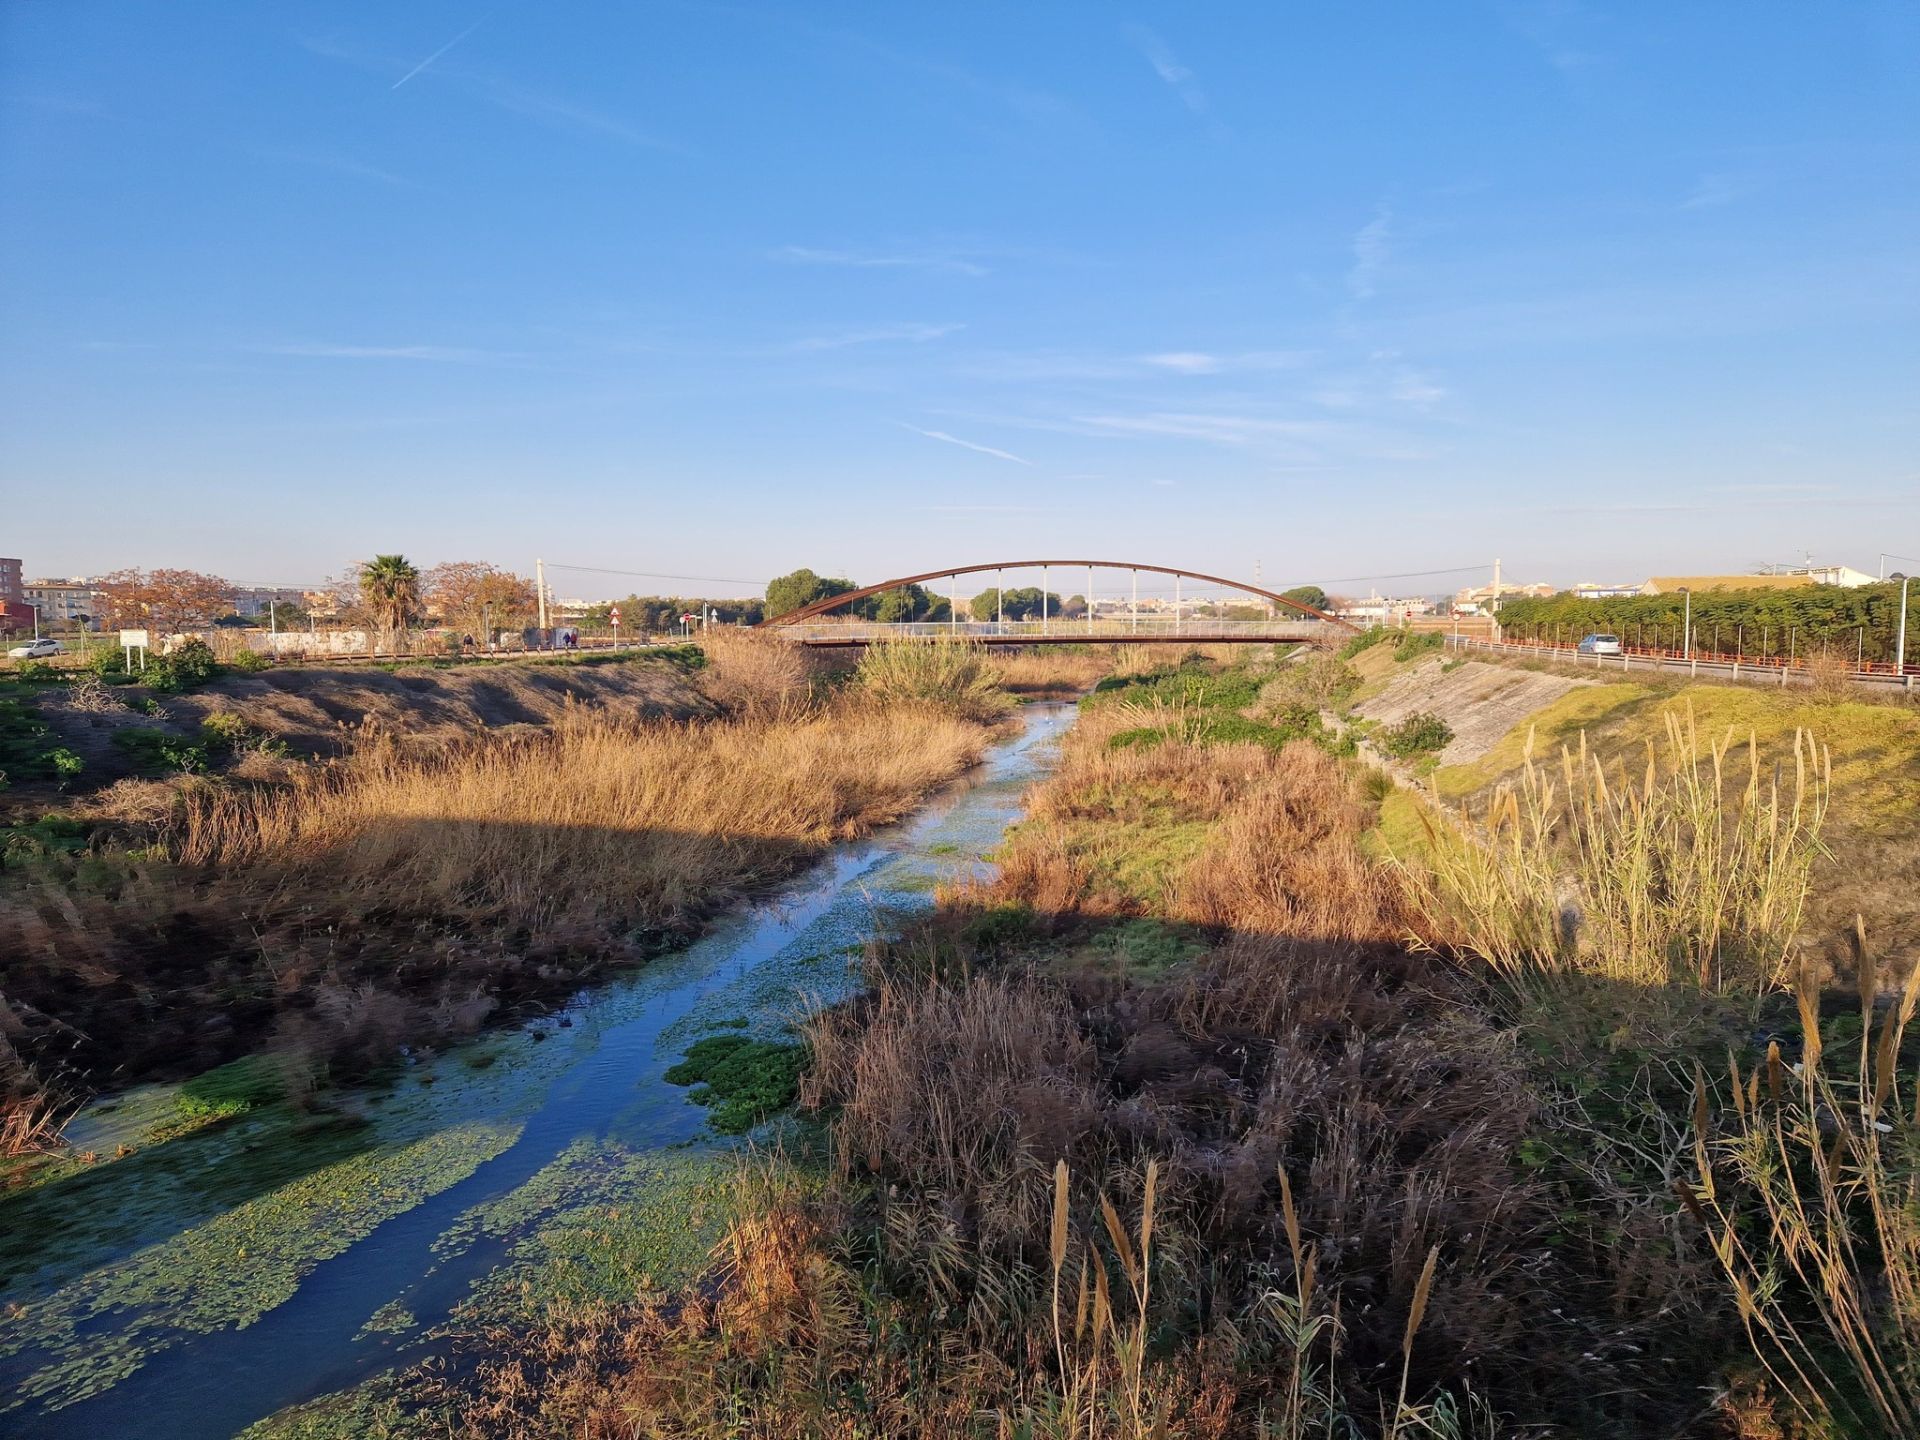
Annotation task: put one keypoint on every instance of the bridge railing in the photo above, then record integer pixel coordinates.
(1146, 629)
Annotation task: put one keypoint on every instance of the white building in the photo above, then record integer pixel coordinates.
(64, 604)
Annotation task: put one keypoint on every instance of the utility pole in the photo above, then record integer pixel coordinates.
(1900, 644)
(540, 588)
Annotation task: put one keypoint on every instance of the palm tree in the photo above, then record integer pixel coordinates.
(390, 589)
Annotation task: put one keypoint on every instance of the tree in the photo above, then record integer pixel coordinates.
(802, 587)
(390, 591)
(283, 615)
(163, 601)
(1311, 596)
(1021, 604)
(470, 595)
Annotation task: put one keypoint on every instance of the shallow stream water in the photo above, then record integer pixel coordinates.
(205, 1283)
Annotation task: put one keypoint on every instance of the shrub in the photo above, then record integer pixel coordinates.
(33, 671)
(1418, 734)
(1365, 640)
(951, 674)
(1412, 644)
(249, 662)
(155, 752)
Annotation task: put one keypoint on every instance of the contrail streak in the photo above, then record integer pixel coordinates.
(438, 53)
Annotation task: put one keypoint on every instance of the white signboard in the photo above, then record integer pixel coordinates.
(133, 639)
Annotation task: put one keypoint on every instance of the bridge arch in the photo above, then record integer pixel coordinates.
(834, 602)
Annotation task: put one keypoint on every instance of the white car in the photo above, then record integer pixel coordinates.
(1600, 645)
(34, 650)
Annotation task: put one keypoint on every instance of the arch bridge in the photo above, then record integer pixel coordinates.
(1114, 618)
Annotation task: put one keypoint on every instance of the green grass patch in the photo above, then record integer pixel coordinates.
(233, 1089)
(741, 1081)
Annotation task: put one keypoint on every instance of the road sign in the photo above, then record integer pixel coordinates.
(614, 615)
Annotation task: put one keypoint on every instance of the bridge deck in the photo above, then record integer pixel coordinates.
(850, 635)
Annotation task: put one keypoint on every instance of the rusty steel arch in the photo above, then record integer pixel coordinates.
(834, 602)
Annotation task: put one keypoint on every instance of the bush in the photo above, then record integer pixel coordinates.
(250, 662)
(186, 668)
(949, 673)
(1420, 733)
(155, 752)
(1365, 640)
(1412, 644)
(32, 671)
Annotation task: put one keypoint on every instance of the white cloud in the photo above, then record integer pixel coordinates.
(1199, 362)
(1215, 428)
(443, 354)
(1187, 362)
(1168, 68)
(916, 334)
(936, 261)
(966, 444)
(1372, 248)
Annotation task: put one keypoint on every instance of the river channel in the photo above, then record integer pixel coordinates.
(193, 1287)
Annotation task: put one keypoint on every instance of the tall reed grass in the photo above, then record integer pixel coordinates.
(954, 674)
(1811, 1196)
(596, 821)
(1697, 873)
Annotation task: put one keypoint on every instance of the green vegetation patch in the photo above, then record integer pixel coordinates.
(741, 1081)
(27, 751)
(49, 835)
(1145, 949)
(1420, 733)
(600, 1223)
(232, 1268)
(1223, 727)
(233, 1089)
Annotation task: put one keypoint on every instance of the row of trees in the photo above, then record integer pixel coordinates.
(643, 614)
(1862, 618)
(388, 592)
(803, 587)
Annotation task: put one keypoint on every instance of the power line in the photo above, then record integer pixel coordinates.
(651, 574)
(1405, 574)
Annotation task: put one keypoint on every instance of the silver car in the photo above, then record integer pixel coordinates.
(1600, 645)
(34, 650)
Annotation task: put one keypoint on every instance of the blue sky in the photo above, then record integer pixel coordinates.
(1345, 289)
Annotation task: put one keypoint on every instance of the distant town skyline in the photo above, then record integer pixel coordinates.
(722, 292)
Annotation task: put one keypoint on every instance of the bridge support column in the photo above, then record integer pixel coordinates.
(1043, 599)
(1178, 624)
(1089, 599)
(953, 605)
(1134, 617)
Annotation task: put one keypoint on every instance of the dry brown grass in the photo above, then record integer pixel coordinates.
(409, 889)
(755, 672)
(595, 822)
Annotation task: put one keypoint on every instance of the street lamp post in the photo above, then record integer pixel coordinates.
(1900, 640)
(1686, 631)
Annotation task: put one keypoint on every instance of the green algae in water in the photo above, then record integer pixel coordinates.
(740, 1081)
(234, 1088)
(392, 1318)
(601, 1223)
(235, 1267)
(374, 1410)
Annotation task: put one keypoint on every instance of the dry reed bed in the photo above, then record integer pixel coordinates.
(598, 822)
(402, 892)
(1311, 1135)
